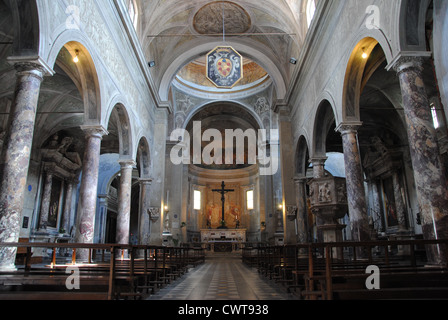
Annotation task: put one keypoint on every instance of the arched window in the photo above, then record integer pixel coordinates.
(197, 200)
(133, 13)
(250, 199)
(310, 10)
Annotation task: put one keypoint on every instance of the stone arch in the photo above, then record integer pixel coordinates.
(144, 158)
(324, 120)
(302, 157)
(202, 49)
(203, 106)
(120, 125)
(85, 74)
(356, 77)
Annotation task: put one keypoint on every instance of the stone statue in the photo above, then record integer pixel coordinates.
(64, 145)
(379, 145)
(324, 193)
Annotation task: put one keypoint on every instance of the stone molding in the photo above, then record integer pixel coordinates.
(404, 63)
(348, 127)
(127, 163)
(154, 214)
(94, 131)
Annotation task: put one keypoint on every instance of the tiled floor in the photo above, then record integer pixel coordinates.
(222, 277)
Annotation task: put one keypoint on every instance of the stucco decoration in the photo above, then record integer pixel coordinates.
(211, 18)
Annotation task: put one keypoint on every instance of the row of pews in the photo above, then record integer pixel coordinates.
(106, 271)
(385, 270)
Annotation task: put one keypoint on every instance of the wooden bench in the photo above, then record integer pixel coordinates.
(23, 253)
(393, 285)
(117, 278)
(307, 268)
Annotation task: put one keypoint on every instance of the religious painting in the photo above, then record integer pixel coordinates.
(232, 209)
(53, 213)
(213, 215)
(224, 67)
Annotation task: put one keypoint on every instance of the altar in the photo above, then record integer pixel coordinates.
(223, 240)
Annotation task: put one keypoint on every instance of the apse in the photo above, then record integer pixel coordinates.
(241, 205)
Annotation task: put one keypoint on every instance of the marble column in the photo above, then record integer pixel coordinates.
(302, 212)
(357, 204)
(145, 204)
(16, 156)
(318, 173)
(287, 155)
(318, 167)
(399, 204)
(429, 175)
(67, 206)
(89, 187)
(46, 198)
(124, 201)
(158, 185)
(376, 207)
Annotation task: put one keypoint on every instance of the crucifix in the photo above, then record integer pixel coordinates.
(223, 191)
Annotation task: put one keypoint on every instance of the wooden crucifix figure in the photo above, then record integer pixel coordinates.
(223, 191)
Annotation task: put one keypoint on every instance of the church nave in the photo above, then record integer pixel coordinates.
(138, 136)
(223, 276)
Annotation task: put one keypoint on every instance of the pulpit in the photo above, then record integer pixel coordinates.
(328, 199)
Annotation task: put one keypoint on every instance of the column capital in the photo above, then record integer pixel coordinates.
(406, 60)
(405, 63)
(127, 163)
(95, 131)
(348, 127)
(50, 168)
(145, 181)
(33, 65)
(318, 160)
(299, 180)
(281, 107)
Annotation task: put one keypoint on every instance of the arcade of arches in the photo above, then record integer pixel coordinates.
(351, 95)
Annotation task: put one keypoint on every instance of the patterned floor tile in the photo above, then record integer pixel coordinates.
(222, 277)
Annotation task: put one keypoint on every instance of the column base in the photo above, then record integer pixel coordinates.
(279, 239)
(333, 233)
(8, 268)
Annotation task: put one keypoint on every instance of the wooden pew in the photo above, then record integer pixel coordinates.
(401, 277)
(338, 270)
(114, 279)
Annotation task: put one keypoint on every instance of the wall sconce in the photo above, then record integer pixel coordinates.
(151, 64)
(76, 58)
(364, 54)
(293, 61)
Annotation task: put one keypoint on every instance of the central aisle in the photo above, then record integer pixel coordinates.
(222, 277)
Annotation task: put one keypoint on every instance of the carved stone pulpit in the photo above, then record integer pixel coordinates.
(328, 198)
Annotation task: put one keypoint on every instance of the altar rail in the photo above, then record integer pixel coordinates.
(110, 271)
(339, 270)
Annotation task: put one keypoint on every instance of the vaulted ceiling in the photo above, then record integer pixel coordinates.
(174, 33)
